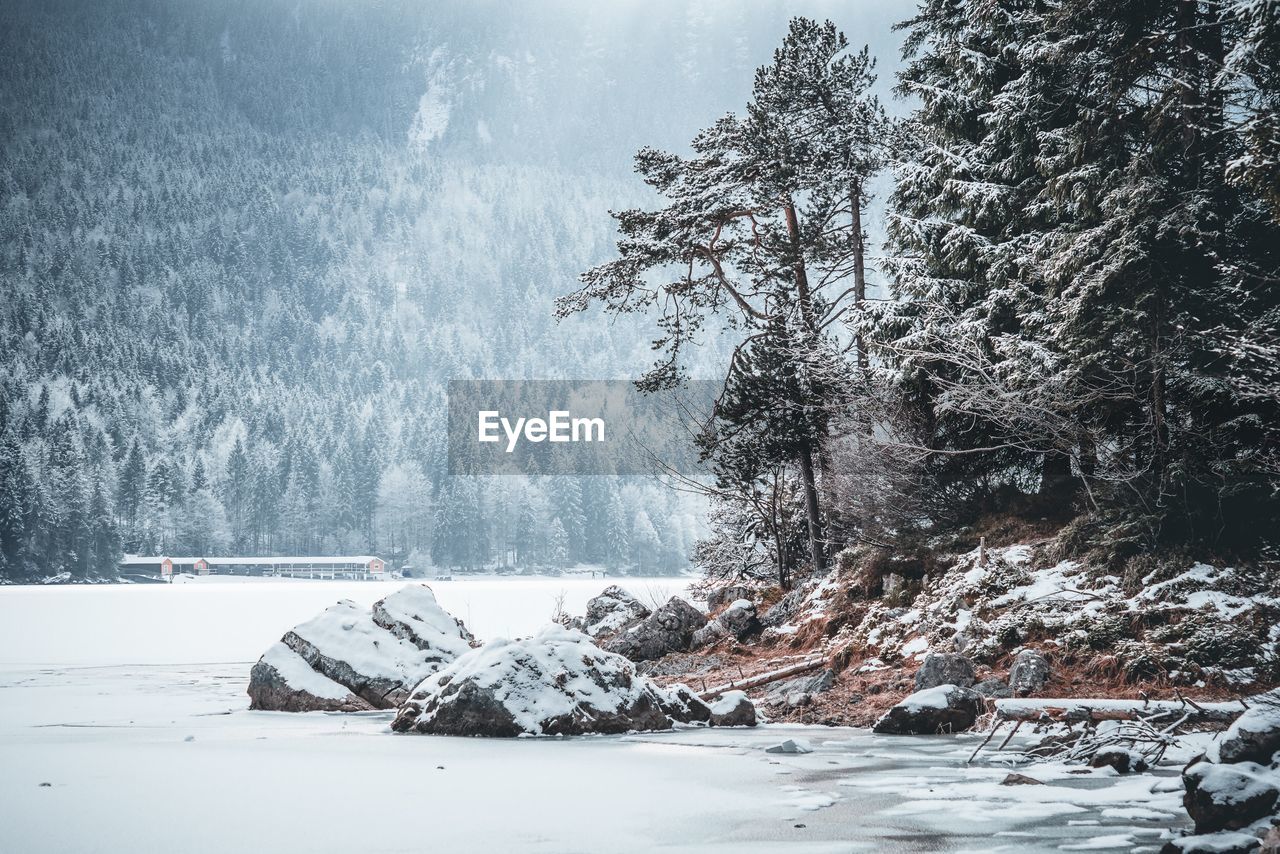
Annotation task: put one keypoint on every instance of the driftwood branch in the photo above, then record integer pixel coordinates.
(765, 678)
(1074, 711)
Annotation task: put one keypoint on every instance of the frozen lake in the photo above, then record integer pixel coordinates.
(129, 703)
(219, 619)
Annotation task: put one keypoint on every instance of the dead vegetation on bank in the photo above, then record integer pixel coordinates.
(1152, 629)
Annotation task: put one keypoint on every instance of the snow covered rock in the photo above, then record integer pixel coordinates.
(1121, 759)
(941, 709)
(282, 681)
(612, 611)
(413, 614)
(668, 629)
(944, 668)
(556, 683)
(1225, 842)
(349, 653)
(724, 595)
(733, 709)
(791, 746)
(739, 619)
(1029, 673)
(1255, 735)
(1228, 797)
(682, 705)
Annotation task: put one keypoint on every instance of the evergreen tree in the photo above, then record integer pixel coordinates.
(747, 224)
(558, 544)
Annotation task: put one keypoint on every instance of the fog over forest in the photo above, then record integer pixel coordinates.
(244, 246)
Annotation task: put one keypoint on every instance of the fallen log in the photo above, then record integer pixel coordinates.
(765, 678)
(1071, 710)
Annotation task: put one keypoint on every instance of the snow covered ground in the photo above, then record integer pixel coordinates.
(131, 708)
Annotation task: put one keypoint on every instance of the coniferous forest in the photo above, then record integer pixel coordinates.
(1036, 283)
(1081, 330)
(245, 245)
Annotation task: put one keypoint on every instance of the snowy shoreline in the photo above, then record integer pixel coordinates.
(152, 752)
(150, 756)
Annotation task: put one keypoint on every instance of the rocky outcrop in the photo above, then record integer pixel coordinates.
(556, 683)
(350, 658)
(612, 611)
(941, 709)
(1028, 674)
(738, 621)
(944, 668)
(668, 629)
(1255, 735)
(1228, 797)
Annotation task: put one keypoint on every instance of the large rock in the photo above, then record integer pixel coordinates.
(1228, 797)
(1255, 735)
(682, 705)
(350, 658)
(724, 595)
(733, 709)
(941, 709)
(739, 619)
(668, 629)
(709, 634)
(944, 668)
(612, 611)
(800, 690)
(556, 683)
(282, 681)
(413, 614)
(1028, 674)
(785, 609)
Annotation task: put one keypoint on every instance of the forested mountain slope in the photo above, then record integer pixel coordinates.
(245, 245)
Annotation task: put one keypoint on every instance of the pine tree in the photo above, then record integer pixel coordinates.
(16, 504)
(236, 491)
(618, 535)
(1081, 279)
(747, 224)
(558, 544)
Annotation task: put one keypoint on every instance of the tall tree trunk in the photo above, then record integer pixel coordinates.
(811, 505)
(816, 551)
(859, 269)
